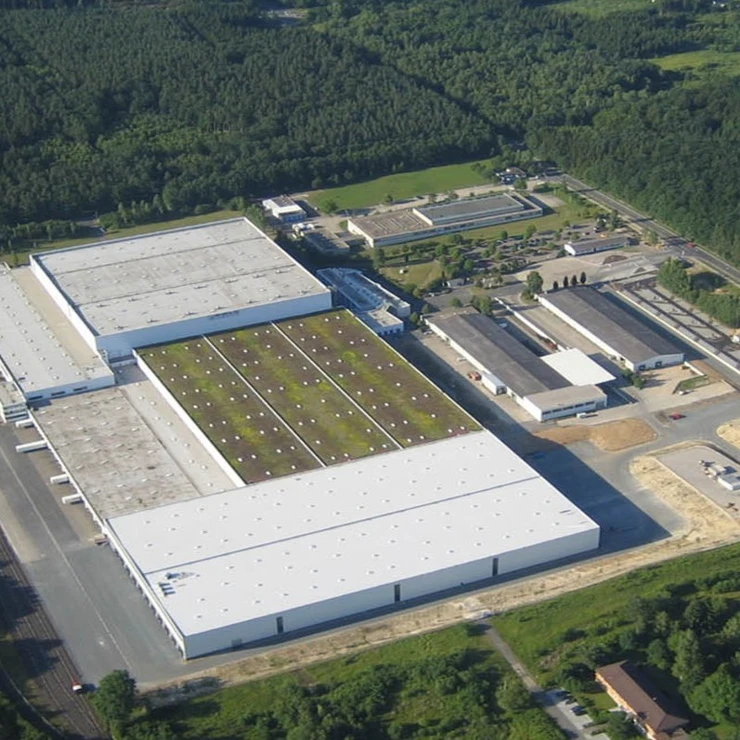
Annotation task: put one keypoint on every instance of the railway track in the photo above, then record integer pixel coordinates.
(48, 662)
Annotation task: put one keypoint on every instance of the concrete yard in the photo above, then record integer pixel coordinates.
(686, 462)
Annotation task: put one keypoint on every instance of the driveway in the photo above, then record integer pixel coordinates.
(556, 709)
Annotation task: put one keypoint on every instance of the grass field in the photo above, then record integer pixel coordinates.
(387, 388)
(421, 274)
(221, 716)
(243, 429)
(602, 8)
(327, 421)
(401, 186)
(539, 633)
(704, 60)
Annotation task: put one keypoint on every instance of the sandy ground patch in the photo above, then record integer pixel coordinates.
(730, 432)
(610, 437)
(706, 526)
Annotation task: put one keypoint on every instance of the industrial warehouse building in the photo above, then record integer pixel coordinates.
(223, 563)
(610, 327)
(159, 287)
(412, 224)
(299, 551)
(40, 356)
(506, 365)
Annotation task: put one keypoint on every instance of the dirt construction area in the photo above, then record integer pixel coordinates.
(705, 527)
(610, 437)
(730, 432)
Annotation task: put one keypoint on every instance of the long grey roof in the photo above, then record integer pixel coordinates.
(471, 208)
(520, 369)
(627, 335)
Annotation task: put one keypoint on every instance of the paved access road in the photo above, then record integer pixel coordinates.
(561, 719)
(42, 652)
(675, 244)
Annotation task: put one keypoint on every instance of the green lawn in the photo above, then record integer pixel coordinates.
(602, 8)
(401, 186)
(703, 60)
(111, 234)
(393, 393)
(421, 274)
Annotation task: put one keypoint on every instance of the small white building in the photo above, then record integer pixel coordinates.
(599, 244)
(284, 209)
(577, 367)
(169, 285)
(609, 326)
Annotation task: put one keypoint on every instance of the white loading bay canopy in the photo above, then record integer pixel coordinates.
(336, 537)
(577, 367)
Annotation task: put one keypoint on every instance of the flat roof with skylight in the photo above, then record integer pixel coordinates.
(33, 353)
(112, 454)
(471, 208)
(169, 276)
(326, 534)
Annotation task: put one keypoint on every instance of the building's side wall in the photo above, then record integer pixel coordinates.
(60, 299)
(189, 423)
(82, 385)
(547, 414)
(355, 604)
(555, 549)
(660, 361)
(121, 344)
(447, 578)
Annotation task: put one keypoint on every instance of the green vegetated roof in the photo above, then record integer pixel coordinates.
(282, 398)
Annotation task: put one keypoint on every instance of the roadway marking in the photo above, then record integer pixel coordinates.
(64, 558)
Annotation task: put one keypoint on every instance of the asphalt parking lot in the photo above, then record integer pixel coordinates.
(577, 724)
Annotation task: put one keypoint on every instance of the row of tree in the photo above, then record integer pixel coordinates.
(699, 289)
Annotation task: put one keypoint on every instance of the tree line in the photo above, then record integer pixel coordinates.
(187, 106)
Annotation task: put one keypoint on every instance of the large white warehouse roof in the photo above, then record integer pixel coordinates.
(31, 350)
(280, 545)
(168, 276)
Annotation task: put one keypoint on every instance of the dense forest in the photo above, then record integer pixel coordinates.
(181, 106)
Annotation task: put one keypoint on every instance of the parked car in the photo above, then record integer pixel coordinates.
(676, 417)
